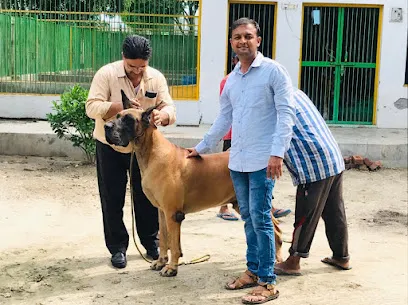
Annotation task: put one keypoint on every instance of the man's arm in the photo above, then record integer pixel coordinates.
(167, 113)
(281, 85)
(98, 104)
(285, 106)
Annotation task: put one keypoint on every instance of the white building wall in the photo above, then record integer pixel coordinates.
(214, 20)
(392, 69)
(214, 24)
(288, 42)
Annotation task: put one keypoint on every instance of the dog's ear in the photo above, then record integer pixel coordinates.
(146, 115)
(125, 101)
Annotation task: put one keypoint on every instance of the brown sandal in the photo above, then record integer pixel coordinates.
(241, 283)
(267, 292)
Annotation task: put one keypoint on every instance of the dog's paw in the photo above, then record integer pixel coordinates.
(158, 264)
(167, 271)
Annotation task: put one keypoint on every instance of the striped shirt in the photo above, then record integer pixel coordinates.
(313, 152)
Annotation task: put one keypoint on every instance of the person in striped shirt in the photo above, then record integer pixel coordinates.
(316, 165)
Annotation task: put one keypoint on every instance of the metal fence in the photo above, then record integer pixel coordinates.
(49, 45)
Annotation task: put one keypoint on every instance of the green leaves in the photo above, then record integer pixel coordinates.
(154, 17)
(71, 122)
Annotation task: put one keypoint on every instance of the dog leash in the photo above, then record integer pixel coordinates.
(198, 260)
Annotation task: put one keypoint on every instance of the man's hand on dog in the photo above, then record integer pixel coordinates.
(134, 103)
(117, 107)
(192, 153)
(160, 118)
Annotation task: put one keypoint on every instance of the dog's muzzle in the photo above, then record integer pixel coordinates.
(109, 133)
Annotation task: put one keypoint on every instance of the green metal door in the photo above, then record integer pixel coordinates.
(339, 54)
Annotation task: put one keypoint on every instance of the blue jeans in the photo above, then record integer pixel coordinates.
(254, 195)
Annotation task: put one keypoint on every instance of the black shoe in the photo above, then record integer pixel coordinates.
(152, 253)
(119, 260)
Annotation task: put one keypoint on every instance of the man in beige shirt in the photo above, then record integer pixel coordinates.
(145, 87)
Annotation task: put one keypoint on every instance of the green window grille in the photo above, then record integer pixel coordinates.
(339, 55)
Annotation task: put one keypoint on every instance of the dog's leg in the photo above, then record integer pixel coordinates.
(173, 221)
(163, 241)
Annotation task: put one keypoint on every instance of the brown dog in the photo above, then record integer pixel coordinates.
(174, 184)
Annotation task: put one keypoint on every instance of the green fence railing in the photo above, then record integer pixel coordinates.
(45, 52)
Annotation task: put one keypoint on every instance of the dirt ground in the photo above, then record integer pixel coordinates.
(52, 249)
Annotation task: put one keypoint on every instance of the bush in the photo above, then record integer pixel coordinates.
(71, 122)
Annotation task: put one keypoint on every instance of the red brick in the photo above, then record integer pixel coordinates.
(368, 162)
(375, 166)
(358, 160)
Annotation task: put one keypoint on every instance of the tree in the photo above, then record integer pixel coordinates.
(145, 14)
(63, 5)
(69, 120)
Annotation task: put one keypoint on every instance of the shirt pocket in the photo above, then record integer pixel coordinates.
(150, 98)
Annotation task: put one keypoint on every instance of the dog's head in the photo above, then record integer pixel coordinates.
(129, 124)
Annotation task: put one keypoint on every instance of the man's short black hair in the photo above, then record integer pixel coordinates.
(136, 47)
(245, 21)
